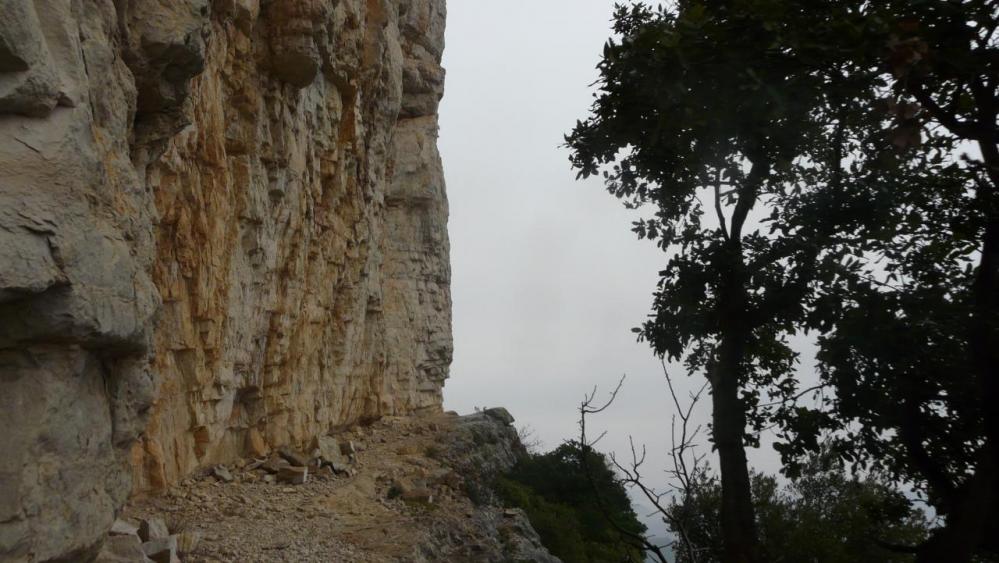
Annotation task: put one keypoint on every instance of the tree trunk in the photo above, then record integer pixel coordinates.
(973, 507)
(985, 325)
(737, 518)
(738, 521)
(963, 535)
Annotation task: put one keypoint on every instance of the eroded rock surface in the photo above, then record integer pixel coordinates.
(222, 231)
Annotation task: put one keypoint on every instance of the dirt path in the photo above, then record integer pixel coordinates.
(402, 502)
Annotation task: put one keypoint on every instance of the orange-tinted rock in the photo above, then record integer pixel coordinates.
(213, 220)
(255, 445)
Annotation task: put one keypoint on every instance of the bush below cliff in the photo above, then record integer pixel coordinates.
(580, 510)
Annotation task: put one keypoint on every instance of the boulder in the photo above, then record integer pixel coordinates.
(255, 464)
(296, 60)
(500, 414)
(222, 473)
(162, 550)
(153, 529)
(328, 449)
(123, 548)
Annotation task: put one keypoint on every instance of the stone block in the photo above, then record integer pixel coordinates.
(153, 529)
(121, 549)
(293, 475)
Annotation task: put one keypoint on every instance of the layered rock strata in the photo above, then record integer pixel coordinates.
(222, 230)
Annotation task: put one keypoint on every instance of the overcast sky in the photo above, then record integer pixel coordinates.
(548, 278)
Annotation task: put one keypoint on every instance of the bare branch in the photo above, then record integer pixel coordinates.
(795, 398)
(687, 468)
(586, 407)
(587, 402)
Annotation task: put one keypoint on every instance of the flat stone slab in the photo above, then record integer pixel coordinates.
(293, 475)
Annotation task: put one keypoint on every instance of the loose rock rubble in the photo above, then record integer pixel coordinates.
(396, 490)
(145, 541)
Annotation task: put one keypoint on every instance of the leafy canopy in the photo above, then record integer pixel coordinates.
(709, 114)
(896, 319)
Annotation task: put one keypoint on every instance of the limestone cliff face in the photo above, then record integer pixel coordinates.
(222, 229)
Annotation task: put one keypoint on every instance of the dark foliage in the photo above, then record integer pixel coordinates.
(832, 167)
(823, 516)
(705, 113)
(557, 493)
(909, 326)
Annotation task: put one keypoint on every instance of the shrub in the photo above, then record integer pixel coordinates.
(571, 502)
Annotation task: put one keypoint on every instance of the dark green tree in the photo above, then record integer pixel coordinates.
(827, 138)
(556, 490)
(703, 113)
(823, 516)
(910, 332)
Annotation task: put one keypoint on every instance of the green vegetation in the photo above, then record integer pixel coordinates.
(576, 504)
(702, 116)
(826, 168)
(824, 516)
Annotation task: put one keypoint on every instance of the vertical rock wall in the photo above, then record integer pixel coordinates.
(222, 224)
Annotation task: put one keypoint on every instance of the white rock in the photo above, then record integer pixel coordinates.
(152, 529)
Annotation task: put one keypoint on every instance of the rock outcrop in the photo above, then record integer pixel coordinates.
(222, 231)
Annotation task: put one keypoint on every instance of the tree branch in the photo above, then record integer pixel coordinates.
(687, 466)
(747, 198)
(718, 207)
(946, 118)
(586, 407)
